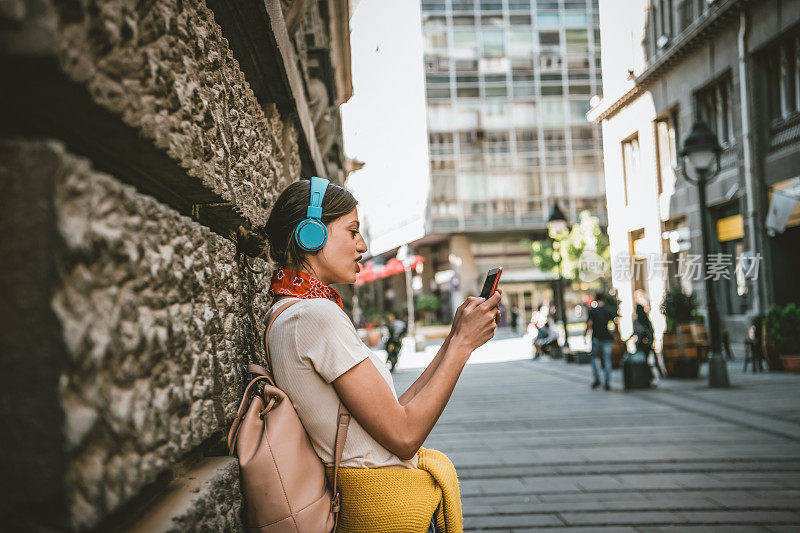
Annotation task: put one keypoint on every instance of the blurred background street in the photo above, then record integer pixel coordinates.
(536, 449)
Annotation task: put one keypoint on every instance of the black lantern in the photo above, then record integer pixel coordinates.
(557, 221)
(700, 150)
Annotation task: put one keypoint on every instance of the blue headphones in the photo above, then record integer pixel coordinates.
(311, 234)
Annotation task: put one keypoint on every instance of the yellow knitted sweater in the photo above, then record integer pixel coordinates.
(394, 500)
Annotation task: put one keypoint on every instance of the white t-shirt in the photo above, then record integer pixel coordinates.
(312, 343)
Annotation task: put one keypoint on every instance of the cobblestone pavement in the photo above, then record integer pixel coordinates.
(538, 450)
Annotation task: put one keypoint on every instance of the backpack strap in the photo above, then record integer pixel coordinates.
(343, 421)
(275, 314)
(234, 431)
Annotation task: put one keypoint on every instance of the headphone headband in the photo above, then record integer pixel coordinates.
(318, 188)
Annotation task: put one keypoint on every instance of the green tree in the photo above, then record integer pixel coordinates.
(562, 254)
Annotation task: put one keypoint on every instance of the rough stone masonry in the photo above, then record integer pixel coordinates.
(126, 323)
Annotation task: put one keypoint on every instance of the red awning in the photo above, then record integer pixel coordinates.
(392, 267)
(366, 274)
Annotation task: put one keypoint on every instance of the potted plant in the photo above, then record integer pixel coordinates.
(684, 345)
(782, 335)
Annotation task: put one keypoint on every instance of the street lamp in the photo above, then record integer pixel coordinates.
(699, 152)
(406, 256)
(556, 223)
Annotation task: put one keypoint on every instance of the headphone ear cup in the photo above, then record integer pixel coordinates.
(311, 235)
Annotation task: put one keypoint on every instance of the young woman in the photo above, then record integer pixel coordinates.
(317, 355)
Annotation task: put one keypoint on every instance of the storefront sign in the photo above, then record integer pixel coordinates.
(730, 228)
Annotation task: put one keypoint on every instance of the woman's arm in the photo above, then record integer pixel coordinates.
(402, 427)
(415, 387)
(423, 379)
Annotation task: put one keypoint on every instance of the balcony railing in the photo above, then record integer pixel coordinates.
(511, 213)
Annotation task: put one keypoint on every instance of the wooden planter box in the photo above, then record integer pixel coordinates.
(791, 363)
(684, 350)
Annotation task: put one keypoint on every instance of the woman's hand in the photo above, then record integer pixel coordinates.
(476, 320)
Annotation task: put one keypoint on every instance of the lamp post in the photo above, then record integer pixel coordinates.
(700, 150)
(556, 223)
(406, 256)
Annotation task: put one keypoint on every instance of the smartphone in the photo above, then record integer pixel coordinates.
(490, 285)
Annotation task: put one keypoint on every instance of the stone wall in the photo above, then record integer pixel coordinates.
(156, 319)
(127, 319)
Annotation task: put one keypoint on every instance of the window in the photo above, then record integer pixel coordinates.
(630, 163)
(472, 186)
(547, 20)
(713, 106)
(527, 140)
(437, 92)
(525, 114)
(557, 183)
(685, 14)
(433, 21)
(467, 92)
(549, 41)
(575, 19)
(521, 43)
(436, 41)
(465, 44)
(580, 89)
(532, 183)
(493, 43)
(555, 139)
(638, 265)
(783, 73)
(519, 20)
(578, 110)
(466, 65)
(552, 90)
(504, 186)
(444, 187)
(432, 5)
(463, 20)
(440, 117)
(666, 152)
(577, 41)
(492, 20)
(495, 92)
(553, 112)
(437, 64)
(666, 17)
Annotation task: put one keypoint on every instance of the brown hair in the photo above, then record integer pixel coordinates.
(287, 213)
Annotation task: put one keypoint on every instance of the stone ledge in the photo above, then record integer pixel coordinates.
(207, 497)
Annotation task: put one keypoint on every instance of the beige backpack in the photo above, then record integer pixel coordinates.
(283, 479)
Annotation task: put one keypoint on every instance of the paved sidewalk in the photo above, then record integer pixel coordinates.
(538, 450)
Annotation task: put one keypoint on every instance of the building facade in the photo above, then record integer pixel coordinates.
(135, 137)
(508, 84)
(736, 66)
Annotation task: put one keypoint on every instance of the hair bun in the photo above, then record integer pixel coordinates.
(248, 243)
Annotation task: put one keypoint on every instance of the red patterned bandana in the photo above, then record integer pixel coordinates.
(298, 284)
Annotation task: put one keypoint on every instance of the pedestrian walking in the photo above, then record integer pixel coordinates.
(394, 342)
(645, 338)
(387, 482)
(599, 317)
(515, 319)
